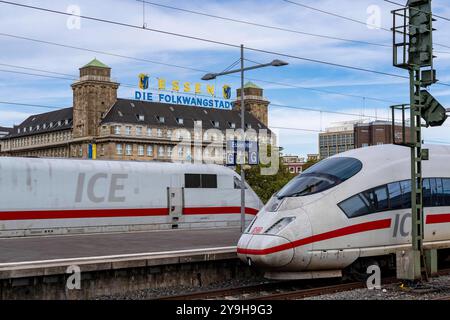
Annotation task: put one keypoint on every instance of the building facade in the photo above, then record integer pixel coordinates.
(350, 135)
(378, 133)
(293, 164)
(102, 126)
(337, 139)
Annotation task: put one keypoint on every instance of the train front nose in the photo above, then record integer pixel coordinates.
(278, 242)
(265, 251)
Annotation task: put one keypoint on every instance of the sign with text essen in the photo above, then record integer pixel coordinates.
(183, 93)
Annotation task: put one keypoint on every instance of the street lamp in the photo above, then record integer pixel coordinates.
(212, 76)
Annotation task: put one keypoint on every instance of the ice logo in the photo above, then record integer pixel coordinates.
(226, 92)
(143, 81)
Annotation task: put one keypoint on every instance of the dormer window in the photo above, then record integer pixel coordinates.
(31, 129)
(59, 123)
(38, 127)
(44, 126)
(232, 125)
(180, 120)
(248, 126)
(140, 117)
(51, 125)
(120, 114)
(215, 123)
(18, 130)
(198, 122)
(160, 119)
(66, 122)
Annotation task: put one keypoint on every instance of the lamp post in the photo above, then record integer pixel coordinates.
(241, 70)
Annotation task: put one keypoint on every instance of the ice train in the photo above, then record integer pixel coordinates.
(61, 196)
(353, 205)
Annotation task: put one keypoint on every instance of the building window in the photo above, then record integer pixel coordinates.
(141, 151)
(169, 134)
(180, 152)
(232, 125)
(161, 151)
(129, 150)
(119, 150)
(117, 130)
(160, 119)
(169, 151)
(180, 120)
(149, 132)
(150, 151)
(139, 131)
(159, 133)
(128, 130)
(215, 123)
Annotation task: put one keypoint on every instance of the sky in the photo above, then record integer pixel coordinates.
(156, 54)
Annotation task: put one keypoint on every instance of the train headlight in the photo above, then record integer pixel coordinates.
(279, 225)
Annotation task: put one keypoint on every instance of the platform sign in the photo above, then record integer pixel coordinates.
(236, 150)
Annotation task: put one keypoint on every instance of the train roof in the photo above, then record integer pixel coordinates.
(166, 167)
(390, 152)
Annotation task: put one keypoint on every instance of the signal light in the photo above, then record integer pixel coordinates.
(433, 112)
(420, 33)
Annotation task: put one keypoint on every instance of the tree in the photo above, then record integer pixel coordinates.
(263, 185)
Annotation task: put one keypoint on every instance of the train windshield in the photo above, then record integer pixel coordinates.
(320, 177)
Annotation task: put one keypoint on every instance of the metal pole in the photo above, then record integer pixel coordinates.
(243, 132)
(416, 175)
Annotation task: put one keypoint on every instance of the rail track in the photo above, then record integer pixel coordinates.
(286, 290)
(273, 291)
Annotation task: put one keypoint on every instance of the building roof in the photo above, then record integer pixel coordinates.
(96, 63)
(44, 122)
(5, 129)
(251, 85)
(128, 111)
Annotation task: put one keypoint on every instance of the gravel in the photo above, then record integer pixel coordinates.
(149, 294)
(436, 288)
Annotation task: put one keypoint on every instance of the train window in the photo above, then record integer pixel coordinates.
(395, 196)
(406, 194)
(306, 184)
(209, 181)
(342, 168)
(382, 199)
(320, 177)
(355, 206)
(196, 181)
(446, 191)
(192, 181)
(426, 193)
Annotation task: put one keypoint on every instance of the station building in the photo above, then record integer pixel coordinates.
(101, 125)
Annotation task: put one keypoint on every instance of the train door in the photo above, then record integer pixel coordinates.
(175, 196)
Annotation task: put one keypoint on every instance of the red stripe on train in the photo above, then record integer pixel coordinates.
(357, 228)
(438, 218)
(114, 213)
(218, 210)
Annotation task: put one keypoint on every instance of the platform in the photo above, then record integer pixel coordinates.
(48, 248)
(38, 267)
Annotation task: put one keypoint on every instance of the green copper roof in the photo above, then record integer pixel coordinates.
(96, 63)
(251, 85)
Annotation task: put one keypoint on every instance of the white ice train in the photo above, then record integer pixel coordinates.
(353, 205)
(56, 196)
